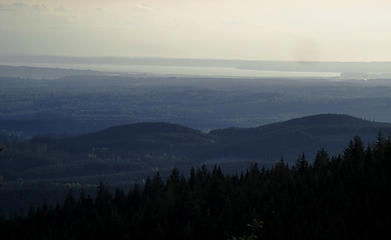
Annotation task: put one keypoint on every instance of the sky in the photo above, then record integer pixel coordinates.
(298, 30)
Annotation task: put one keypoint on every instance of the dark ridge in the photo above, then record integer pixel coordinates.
(138, 136)
(323, 120)
(150, 145)
(329, 119)
(137, 130)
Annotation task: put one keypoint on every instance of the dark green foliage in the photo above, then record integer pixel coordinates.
(343, 197)
(254, 231)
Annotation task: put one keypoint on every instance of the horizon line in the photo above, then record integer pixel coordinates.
(185, 58)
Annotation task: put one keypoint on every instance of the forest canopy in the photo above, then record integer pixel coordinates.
(339, 197)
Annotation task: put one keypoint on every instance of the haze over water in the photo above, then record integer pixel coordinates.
(178, 70)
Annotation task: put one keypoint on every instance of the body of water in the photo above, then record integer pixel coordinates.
(179, 70)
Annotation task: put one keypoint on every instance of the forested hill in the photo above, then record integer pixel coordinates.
(141, 135)
(306, 134)
(326, 122)
(268, 142)
(126, 154)
(132, 152)
(344, 197)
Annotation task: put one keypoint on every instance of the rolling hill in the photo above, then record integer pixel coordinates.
(155, 134)
(265, 144)
(290, 138)
(133, 151)
(124, 154)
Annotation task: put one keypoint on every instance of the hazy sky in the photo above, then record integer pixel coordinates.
(335, 30)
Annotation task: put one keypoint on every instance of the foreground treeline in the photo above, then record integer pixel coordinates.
(343, 197)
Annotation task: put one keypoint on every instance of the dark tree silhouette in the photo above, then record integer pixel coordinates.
(342, 197)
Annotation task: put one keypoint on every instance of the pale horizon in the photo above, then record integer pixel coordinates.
(297, 30)
(2, 56)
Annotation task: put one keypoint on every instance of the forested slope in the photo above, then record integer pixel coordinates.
(343, 197)
(134, 151)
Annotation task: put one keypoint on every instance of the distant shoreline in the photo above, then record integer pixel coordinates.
(177, 70)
